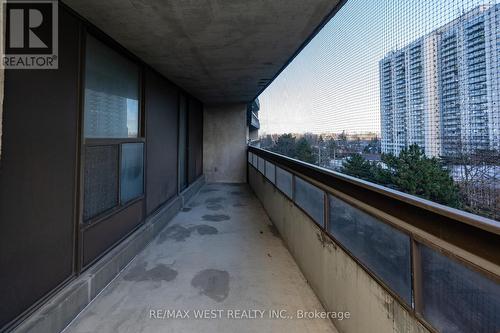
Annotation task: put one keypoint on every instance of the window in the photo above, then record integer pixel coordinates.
(114, 149)
(132, 171)
(111, 93)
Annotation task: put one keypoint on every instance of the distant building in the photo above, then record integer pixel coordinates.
(106, 113)
(442, 90)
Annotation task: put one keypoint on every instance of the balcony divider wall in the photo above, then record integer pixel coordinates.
(127, 160)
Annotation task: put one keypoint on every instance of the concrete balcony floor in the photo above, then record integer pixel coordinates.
(219, 253)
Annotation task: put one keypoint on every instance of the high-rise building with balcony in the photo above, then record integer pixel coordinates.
(441, 91)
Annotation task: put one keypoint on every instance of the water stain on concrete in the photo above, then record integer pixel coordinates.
(213, 283)
(274, 230)
(186, 209)
(214, 200)
(325, 241)
(180, 233)
(215, 207)
(160, 272)
(215, 217)
(204, 229)
(176, 232)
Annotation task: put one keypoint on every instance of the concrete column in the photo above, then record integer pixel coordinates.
(224, 143)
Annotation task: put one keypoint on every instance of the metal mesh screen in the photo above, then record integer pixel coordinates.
(404, 94)
(458, 299)
(100, 180)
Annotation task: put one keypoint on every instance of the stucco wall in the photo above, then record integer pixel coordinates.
(224, 143)
(338, 281)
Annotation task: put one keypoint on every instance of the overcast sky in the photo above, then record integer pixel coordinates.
(332, 85)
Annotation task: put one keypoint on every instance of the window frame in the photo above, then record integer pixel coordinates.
(92, 142)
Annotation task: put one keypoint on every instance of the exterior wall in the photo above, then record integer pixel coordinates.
(338, 281)
(38, 177)
(195, 140)
(224, 143)
(42, 173)
(162, 109)
(386, 105)
(430, 129)
(253, 135)
(60, 310)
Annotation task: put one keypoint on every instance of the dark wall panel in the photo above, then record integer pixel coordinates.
(162, 110)
(37, 177)
(195, 139)
(100, 237)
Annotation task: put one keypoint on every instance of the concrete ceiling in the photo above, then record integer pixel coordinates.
(221, 51)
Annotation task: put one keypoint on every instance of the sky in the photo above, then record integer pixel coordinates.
(332, 85)
(132, 116)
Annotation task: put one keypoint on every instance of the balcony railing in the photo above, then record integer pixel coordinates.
(440, 263)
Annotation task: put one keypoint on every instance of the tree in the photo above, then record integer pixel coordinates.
(303, 151)
(411, 172)
(373, 146)
(476, 173)
(358, 167)
(266, 141)
(332, 148)
(414, 173)
(342, 144)
(285, 145)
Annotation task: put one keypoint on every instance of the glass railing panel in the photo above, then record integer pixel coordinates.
(310, 199)
(456, 298)
(261, 165)
(383, 249)
(270, 172)
(284, 181)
